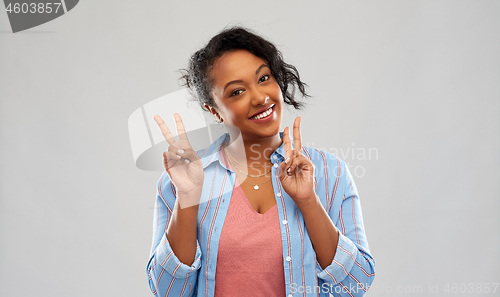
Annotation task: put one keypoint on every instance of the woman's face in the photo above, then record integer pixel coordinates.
(242, 82)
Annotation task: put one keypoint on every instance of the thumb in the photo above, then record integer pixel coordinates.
(283, 170)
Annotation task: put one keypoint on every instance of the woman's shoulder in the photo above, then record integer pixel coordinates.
(207, 153)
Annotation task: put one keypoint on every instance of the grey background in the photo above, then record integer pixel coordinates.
(417, 80)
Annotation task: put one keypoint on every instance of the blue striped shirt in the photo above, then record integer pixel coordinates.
(351, 272)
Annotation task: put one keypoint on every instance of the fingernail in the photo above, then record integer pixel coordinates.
(180, 151)
(287, 160)
(178, 157)
(187, 161)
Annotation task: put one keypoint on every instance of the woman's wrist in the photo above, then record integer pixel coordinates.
(189, 199)
(308, 205)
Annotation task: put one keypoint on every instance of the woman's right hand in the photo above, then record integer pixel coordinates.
(182, 164)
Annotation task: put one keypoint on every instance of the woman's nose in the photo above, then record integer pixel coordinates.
(261, 99)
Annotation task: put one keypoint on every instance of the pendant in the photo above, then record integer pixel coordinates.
(256, 187)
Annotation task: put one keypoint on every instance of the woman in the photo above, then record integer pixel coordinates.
(254, 214)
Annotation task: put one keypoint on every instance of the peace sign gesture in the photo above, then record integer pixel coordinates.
(181, 162)
(297, 171)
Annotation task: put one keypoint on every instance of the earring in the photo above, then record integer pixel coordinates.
(219, 121)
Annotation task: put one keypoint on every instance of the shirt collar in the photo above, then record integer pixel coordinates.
(212, 153)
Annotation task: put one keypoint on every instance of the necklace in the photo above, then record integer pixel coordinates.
(232, 158)
(251, 175)
(236, 167)
(255, 186)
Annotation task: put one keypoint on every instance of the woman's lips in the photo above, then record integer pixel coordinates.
(261, 111)
(267, 118)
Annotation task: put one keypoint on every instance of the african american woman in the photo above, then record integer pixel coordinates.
(255, 213)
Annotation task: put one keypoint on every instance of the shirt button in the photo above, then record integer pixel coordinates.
(288, 259)
(284, 222)
(290, 295)
(274, 157)
(278, 194)
(275, 165)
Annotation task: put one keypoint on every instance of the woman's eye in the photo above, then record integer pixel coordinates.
(264, 78)
(236, 92)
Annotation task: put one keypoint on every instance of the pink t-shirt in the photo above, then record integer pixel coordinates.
(250, 255)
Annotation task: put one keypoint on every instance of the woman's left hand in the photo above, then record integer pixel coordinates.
(297, 171)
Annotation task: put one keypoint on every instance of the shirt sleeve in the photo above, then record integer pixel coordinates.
(167, 276)
(352, 270)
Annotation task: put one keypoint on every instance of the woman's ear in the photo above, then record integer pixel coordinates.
(211, 109)
(214, 112)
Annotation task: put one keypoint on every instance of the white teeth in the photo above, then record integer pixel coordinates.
(263, 114)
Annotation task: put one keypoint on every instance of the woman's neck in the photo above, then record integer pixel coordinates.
(255, 152)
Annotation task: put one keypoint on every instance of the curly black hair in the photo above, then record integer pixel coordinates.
(197, 77)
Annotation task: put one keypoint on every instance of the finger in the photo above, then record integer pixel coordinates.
(188, 153)
(175, 149)
(164, 130)
(181, 131)
(304, 166)
(170, 160)
(298, 163)
(297, 140)
(284, 166)
(294, 162)
(287, 144)
(283, 171)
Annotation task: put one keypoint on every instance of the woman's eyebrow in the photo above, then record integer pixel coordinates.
(231, 83)
(260, 67)
(240, 81)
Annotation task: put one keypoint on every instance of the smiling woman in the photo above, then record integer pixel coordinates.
(254, 214)
(247, 96)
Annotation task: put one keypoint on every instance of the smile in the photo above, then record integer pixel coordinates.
(263, 114)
